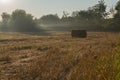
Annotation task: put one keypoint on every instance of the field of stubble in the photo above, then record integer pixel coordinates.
(60, 57)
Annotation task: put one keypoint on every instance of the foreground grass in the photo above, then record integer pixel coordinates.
(59, 57)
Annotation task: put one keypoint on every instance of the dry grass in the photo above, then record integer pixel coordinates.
(60, 57)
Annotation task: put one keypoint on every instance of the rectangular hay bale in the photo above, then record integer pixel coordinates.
(79, 33)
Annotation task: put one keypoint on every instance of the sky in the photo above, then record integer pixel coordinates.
(39, 8)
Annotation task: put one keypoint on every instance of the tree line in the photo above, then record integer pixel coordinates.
(18, 21)
(95, 18)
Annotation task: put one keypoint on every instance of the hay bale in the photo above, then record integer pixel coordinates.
(79, 33)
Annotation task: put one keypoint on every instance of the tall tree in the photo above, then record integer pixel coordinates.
(117, 8)
(100, 9)
(23, 22)
(5, 21)
(93, 18)
(117, 16)
(113, 24)
(49, 19)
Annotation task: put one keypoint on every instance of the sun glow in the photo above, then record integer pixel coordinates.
(5, 1)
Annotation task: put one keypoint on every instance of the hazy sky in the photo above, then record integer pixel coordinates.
(42, 7)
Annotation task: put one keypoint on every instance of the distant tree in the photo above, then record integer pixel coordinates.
(85, 15)
(75, 13)
(5, 17)
(23, 22)
(5, 21)
(113, 24)
(116, 20)
(99, 10)
(98, 14)
(66, 18)
(65, 14)
(49, 19)
(117, 8)
(93, 18)
(112, 11)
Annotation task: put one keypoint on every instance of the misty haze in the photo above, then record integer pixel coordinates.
(60, 40)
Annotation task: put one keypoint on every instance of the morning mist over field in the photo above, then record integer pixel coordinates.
(55, 15)
(60, 40)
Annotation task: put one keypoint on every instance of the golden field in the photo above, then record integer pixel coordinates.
(60, 57)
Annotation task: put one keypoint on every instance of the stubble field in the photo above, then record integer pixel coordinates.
(60, 57)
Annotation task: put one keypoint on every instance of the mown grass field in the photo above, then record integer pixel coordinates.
(60, 57)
